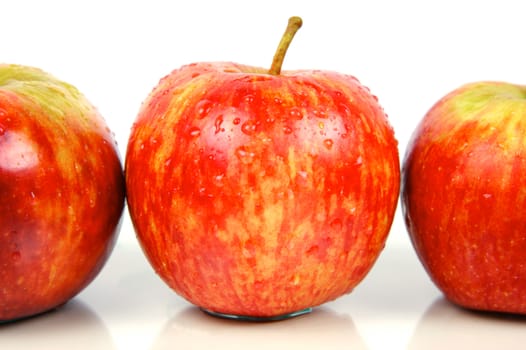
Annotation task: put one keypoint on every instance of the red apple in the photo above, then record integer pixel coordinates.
(61, 192)
(464, 194)
(256, 193)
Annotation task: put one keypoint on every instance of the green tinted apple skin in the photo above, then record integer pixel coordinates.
(464, 194)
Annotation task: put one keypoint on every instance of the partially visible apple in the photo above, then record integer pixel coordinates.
(464, 195)
(257, 193)
(61, 192)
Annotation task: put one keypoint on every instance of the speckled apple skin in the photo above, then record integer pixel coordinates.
(464, 195)
(259, 195)
(61, 192)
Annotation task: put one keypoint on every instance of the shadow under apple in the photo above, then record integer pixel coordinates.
(445, 325)
(72, 326)
(322, 328)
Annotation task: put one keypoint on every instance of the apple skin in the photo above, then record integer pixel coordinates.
(464, 194)
(61, 192)
(259, 195)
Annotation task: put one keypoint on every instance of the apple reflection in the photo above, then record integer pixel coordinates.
(321, 329)
(447, 326)
(71, 326)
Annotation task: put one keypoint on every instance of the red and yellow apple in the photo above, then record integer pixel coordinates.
(464, 194)
(258, 193)
(61, 192)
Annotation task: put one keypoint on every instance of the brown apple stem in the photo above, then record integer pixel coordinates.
(292, 27)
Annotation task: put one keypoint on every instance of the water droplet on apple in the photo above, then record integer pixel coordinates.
(249, 127)
(321, 125)
(359, 160)
(217, 180)
(194, 131)
(236, 121)
(203, 108)
(219, 177)
(167, 162)
(487, 195)
(344, 110)
(249, 98)
(295, 113)
(266, 140)
(320, 113)
(78, 167)
(247, 253)
(278, 101)
(303, 174)
(3, 113)
(328, 143)
(287, 130)
(245, 155)
(217, 124)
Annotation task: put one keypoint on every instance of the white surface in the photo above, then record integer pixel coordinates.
(395, 307)
(409, 53)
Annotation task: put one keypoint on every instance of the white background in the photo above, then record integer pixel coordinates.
(409, 53)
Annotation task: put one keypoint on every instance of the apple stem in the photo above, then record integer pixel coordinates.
(292, 27)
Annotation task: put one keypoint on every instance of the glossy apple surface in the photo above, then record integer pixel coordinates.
(61, 192)
(259, 194)
(464, 194)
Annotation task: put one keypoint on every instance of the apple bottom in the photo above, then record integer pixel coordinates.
(504, 310)
(281, 317)
(491, 294)
(33, 315)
